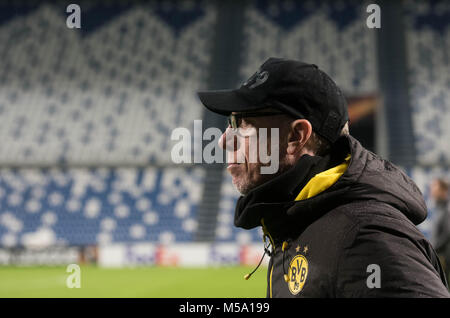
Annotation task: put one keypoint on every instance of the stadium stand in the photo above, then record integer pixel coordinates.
(99, 205)
(428, 40)
(110, 96)
(329, 34)
(86, 114)
(106, 97)
(428, 44)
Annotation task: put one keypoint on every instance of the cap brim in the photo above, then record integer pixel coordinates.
(225, 102)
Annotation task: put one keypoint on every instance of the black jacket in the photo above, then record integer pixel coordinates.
(355, 239)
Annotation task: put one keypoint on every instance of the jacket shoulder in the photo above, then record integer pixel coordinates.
(383, 241)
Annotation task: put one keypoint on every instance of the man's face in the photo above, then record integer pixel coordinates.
(242, 151)
(438, 192)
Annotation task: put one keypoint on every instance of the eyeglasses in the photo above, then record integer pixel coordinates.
(234, 120)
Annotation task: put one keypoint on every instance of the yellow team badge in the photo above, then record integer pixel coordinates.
(298, 271)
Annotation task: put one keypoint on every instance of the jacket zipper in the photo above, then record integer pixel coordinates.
(270, 281)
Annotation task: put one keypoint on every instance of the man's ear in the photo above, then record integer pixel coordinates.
(300, 131)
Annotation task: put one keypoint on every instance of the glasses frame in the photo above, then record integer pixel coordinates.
(234, 118)
(284, 110)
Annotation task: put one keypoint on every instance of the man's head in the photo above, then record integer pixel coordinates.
(295, 139)
(295, 101)
(439, 190)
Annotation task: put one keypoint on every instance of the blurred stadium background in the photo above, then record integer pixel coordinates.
(86, 115)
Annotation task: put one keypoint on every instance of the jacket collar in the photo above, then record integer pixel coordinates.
(273, 201)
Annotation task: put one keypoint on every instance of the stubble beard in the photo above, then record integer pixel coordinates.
(246, 184)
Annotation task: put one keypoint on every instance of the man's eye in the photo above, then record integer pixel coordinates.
(243, 123)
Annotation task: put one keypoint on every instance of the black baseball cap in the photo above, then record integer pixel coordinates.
(297, 88)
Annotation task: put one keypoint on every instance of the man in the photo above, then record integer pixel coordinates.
(440, 194)
(340, 220)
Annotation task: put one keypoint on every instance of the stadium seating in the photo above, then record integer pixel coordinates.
(89, 206)
(111, 96)
(90, 111)
(428, 44)
(108, 95)
(331, 34)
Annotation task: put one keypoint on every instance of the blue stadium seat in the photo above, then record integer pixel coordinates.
(94, 206)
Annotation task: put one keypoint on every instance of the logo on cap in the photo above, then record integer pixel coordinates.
(257, 79)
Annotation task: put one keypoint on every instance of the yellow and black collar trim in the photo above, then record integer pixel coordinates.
(322, 181)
